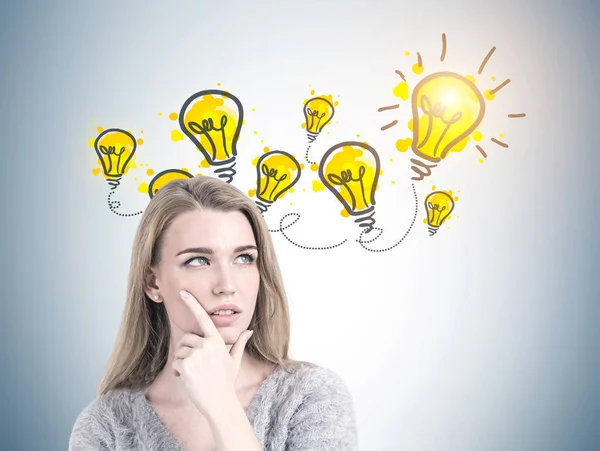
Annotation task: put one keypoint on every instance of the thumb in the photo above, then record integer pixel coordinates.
(237, 350)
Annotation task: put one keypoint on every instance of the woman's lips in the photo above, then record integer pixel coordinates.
(224, 320)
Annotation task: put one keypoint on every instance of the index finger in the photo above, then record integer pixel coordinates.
(206, 325)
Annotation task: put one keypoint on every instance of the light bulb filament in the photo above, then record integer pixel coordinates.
(345, 178)
(437, 111)
(207, 126)
(432, 209)
(314, 115)
(111, 150)
(271, 173)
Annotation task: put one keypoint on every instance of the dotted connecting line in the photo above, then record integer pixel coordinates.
(309, 248)
(362, 243)
(306, 156)
(114, 204)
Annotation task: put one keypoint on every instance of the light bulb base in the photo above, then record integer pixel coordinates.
(262, 206)
(433, 230)
(421, 169)
(311, 136)
(367, 221)
(226, 172)
(113, 181)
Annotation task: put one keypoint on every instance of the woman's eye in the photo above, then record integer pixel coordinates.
(197, 261)
(245, 258)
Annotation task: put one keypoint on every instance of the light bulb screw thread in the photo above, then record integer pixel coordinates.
(432, 230)
(311, 136)
(113, 182)
(227, 173)
(367, 221)
(262, 206)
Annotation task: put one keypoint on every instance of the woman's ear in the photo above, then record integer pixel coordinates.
(151, 288)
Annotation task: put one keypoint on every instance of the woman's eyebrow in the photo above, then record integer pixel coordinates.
(208, 251)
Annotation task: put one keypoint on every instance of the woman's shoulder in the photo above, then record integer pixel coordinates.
(102, 417)
(306, 378)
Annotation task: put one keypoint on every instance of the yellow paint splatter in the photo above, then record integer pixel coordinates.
(410, 125)
(160, 113)
(251, 192)
(358, 135)
(433, 187)
(218, 84)
(96, 171)
(501, 135)
(314, 167)
(393, 182)
(391, 160)
(91, 142)
(489, 95)
(199, 174)
(401, 90)
(312, 92)
(205, 164)
(290, 204)
(99, 129)
(173, 116)
(185, 170)
(403, 144)
(493, 78)
(456, 199)
(301, 166)
(407, 53)
(150, 172)
(477, 136)
(424, 220)
(93, 120)
(317, 186)
(143, 188)
(176, 135)
(344, 213)
(417, 69)
(255, 132)
(140, 141)
(481, 160)
(471, 79)
(253, 109)
(303, 124)
(142, 132)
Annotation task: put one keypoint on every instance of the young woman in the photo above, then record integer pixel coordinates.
(201, 359)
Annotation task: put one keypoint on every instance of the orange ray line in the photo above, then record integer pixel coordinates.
(517, 115)
(391, 107)
(443, 47)
(485, 60)
(391, 124)
(419, 59)
(480, 149)
(500, 143)
(502, 85)
(401, 75)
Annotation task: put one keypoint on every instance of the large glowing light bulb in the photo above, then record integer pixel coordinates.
(276, 173)
(350, 170)
(446, 109)
(212, 120)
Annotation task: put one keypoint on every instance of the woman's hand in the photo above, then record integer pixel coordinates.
(209, 372)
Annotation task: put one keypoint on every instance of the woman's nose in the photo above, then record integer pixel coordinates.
(224, 283)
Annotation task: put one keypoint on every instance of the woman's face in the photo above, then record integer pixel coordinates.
(212, 255)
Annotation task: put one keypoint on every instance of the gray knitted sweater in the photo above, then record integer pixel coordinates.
(309, 409)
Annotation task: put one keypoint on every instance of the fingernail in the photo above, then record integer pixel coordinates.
(183, 294)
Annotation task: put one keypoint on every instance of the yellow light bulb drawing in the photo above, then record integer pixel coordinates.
(164, 177)
(446, 109)
(318, 112)
(276, 173)
(212, 120)
(350, 170)
(438, 205)
(115, 148)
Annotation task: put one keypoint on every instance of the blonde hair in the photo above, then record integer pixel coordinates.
(142, 345)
